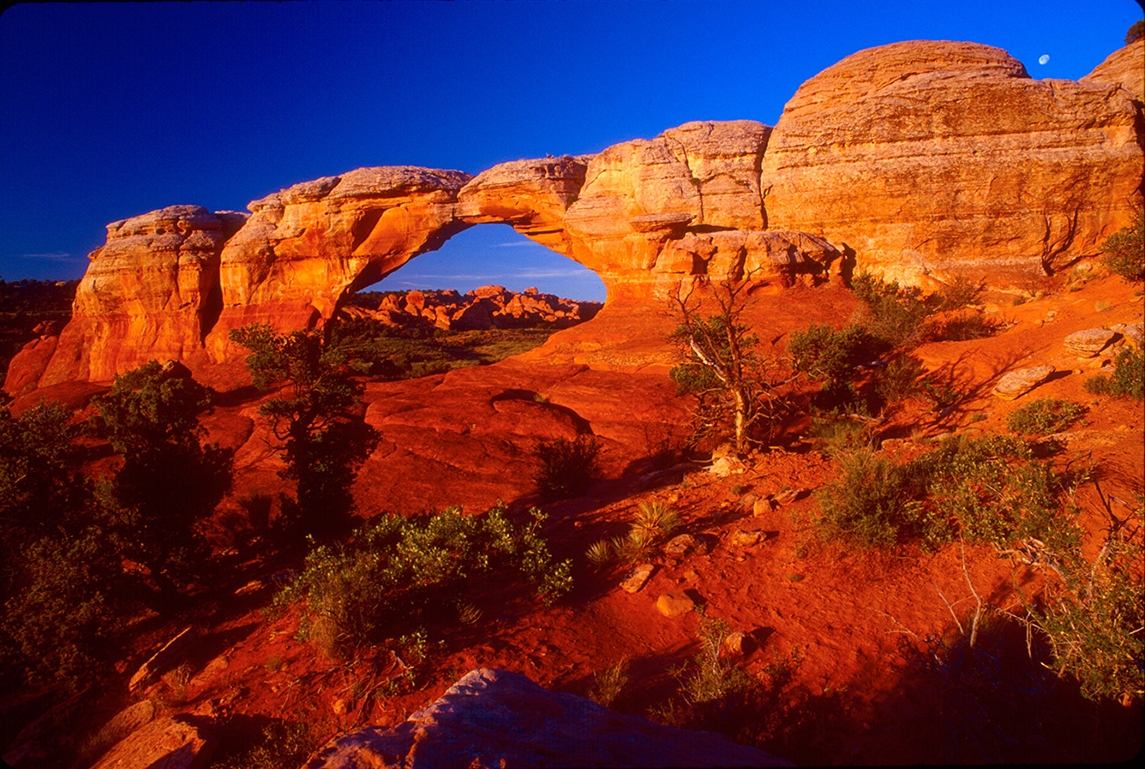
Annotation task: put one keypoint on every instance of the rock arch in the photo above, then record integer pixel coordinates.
(950, 159)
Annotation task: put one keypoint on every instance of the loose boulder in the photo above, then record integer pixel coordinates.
(494, 718)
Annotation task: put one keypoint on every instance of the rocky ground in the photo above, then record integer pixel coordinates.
(858, 629)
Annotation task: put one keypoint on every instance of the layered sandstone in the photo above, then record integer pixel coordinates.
(935, 158)
(920, 161)
(1124, 67)
(305, 246)
(150, 293)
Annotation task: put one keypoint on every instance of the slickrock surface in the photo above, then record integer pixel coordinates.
(934, 158)
(169, 743)
(494, 718)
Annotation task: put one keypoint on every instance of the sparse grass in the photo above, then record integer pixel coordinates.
(1045, 416)
(610, 684)
(901, 378)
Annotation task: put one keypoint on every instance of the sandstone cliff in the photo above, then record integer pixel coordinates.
(933, 158)
(917, 160)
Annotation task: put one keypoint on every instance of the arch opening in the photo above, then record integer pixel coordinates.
(494, 255)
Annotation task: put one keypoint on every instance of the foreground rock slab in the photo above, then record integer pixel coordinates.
(169, 743)
(493, 718)
(1020, 381)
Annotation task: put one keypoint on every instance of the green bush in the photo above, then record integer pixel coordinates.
(901, 378)
(1127, 379)
(831, 356)
(169, 481)
(399, 574)
(987, 490)
(567, 467)
(61, 624)
(893, 313)
(872, 504)
(1044, 416)
(1123, 252)
(1095, 632)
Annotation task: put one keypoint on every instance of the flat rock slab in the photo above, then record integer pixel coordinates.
(169, 743)
(637, 578)
(493, 718)
(1020, 381)
(674, 604)
(1087, 343)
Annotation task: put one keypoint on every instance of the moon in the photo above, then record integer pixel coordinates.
(1044, 58)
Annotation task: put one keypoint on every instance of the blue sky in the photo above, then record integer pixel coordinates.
(112, 110)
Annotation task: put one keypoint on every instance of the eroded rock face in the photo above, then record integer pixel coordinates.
(935, 158)
(149, 294)
(494, 718)
(920, 161)
(305, 246)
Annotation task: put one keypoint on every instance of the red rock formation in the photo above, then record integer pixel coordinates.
(485, 307)
(305, 246)
(149, 294)
(923, 159)
(935, 158)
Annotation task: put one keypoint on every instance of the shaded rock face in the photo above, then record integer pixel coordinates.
(934, 158)
(919, 161)
(493, 718)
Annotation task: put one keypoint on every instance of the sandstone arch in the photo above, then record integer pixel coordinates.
(947, 159)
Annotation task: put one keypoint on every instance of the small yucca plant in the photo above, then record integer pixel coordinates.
(599, 553)
(654, 519)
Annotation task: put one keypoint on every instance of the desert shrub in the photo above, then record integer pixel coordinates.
(893, 313)
(41, 487)
(1135, 32)
(398, 574)
(987, 490)
(1095, 631)
(840, 435)
(960, 292)
(281, 743)
(567, 467)
(900, 378)
(169, 481)
(60, 625)
(960, 327)
(322, 439)
(1123, 252)
(1043, 416)
(831, 356)
(1127, 379)
(871, 503)
(609, 684)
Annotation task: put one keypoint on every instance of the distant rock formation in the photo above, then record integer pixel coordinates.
(920, 161)
(493, 718)
(484, 308)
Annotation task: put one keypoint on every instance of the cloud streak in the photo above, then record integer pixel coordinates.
(54, 256)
